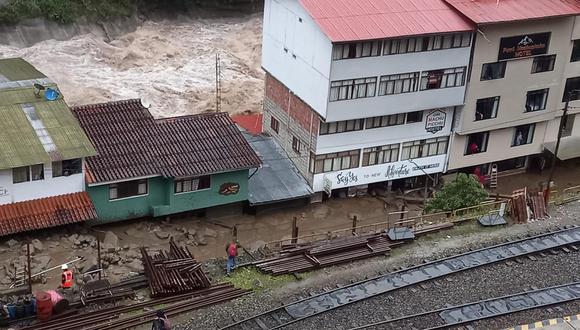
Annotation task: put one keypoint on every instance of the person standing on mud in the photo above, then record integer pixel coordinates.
(232, 251)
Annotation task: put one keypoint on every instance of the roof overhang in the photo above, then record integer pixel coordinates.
(569, 147)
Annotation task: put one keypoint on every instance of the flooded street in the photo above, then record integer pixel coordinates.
(170, 64)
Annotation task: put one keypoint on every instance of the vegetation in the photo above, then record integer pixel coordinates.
(465, 191)
(250, 278)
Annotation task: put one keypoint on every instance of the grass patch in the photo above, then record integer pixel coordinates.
(250, 278)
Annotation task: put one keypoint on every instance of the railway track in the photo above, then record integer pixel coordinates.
(480, 310)
(294, 312)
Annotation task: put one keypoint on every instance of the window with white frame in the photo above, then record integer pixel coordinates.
(381, 155)
(334, 161)
(424, 148)
(28, 173)
(192, 184)
(341, 126)
(67, 167)
(352, 89)
(399, 83)
(356, 50)
(536, 100)
(128, 189)
(384, 121)
(486, 108)
(523, 134)
(543, 63)
(452, 77)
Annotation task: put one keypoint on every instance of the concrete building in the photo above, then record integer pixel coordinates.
(42, 148)
(357, 96)
(522, 59)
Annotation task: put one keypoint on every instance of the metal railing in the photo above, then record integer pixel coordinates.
(559, 197)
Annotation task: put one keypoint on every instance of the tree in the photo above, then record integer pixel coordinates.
(465, 191)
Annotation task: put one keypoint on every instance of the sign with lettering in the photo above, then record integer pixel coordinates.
(523, 46)
(327, 185)
(435, 121)
(229, 188)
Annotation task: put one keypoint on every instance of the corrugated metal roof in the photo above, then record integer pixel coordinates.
(46, 213)
(131, 143)
(347, 20)
(15, 69)
(20, 145)
(278, 179)
(251, 123)
(494, 11)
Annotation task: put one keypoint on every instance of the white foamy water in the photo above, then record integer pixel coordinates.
(170, 64)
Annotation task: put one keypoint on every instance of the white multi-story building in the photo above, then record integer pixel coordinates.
(359, 95)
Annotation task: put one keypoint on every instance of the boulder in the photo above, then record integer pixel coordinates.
(135, 265)
(40, 263)
(89, 264)
(162, 235)
(202, 241)
(38, 246)
(210, 233)
(191, 232)
(12, 243)
(72, 238)
(111, 239)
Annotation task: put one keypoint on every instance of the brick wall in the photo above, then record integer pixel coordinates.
(296, 119)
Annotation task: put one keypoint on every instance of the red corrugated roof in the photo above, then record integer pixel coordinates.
(45, 213)
(494, 11)
(251, 123)
(349, 20)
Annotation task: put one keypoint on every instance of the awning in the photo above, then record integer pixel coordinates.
(46, 213)
(569, 147)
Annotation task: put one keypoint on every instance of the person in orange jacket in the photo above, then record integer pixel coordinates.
(67, 277)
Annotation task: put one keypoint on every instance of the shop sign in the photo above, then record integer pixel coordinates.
(523, 46)
(229, 188)
(435, 121)
(327, 185)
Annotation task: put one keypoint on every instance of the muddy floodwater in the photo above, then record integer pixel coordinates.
(170, 64)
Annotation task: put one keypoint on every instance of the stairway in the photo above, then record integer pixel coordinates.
(493, 177)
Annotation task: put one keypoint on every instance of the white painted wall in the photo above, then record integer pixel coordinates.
(305, 67)
(379, 173)
(381, 136)
(11, 193)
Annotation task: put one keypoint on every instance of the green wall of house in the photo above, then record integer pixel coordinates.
(161, 199)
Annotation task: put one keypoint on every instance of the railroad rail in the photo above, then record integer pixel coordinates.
(484, 309)
(291, 313)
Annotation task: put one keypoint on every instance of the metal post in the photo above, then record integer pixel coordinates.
(294, 230)
(29, 271)
(426, 191)
(235, 232)
(354, 220)
(99, 257)
(554, 159)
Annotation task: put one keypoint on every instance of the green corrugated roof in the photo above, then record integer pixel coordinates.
(20, 95)
(15, 69)
(20, 146)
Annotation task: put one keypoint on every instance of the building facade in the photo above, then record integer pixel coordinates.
(150, 167)
(354, 106)
(522, 60)
(42, 148)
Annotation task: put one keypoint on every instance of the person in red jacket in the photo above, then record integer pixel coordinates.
(67, 277)
(232, 251)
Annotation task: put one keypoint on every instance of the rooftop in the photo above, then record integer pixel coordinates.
(347, 20)
(16, 69)
(46, 213)
(498, 11)
(132, 144)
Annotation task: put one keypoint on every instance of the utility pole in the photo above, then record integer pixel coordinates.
(218, 87)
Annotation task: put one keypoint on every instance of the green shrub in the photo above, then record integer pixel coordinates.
(465, 191)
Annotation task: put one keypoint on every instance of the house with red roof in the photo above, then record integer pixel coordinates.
(149, 167)
(364, 92)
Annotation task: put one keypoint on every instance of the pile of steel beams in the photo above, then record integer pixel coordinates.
(173, 272)
(296, 258)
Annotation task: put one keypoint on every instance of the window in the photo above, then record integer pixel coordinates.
(543, 63)
(341, 126)
(486, 108)
(575, 51)
(37, 172)
(571, 89)
(490, 71)
(352, 89)
(402, 46)
(21, 174)
(296, 144)
(380, 155)
(192, 184)
(128, 189)
(567, 125)
(476, 143)
(398, 83)
(443, 78)
(384, 121)
(335, 161)
(536, 100)
(421, 44)
(415, 117)
(274, 124)
(355, 50)
(67, 167)
(523, 135)
(425, 148)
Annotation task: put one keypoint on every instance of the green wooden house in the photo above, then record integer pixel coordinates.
(158, 167)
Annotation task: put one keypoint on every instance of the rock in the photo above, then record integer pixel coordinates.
(257, 245)
(135, 265)
(111, 239)
(191, 232)
(109, 248)
(162, 235)
(89, 264)
(41, 262)
(38, 246)
(202, 241)
(72, 238)
(12, 243)
(210, 233)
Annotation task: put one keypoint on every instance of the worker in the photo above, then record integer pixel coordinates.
(161, 322)
(232, 251)
(67, 277)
